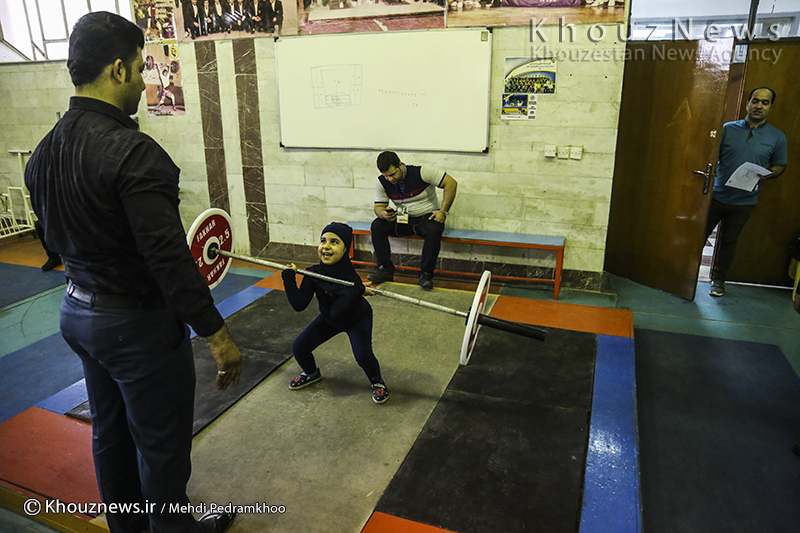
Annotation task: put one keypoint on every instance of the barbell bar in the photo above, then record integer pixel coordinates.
(211, 237)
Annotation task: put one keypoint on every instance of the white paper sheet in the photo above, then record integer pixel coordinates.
(746, 177)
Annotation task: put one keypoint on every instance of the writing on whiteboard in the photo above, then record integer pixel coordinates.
(412, 98)
(336, 86)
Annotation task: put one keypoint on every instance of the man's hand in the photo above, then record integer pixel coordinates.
(438, 216)
(228, 358)
(776, 170)
(387, 213)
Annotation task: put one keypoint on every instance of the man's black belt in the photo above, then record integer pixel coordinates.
(113, 301)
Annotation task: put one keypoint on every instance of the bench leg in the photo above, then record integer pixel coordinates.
(557, 284)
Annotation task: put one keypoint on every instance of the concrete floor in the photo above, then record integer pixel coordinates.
(326, 452)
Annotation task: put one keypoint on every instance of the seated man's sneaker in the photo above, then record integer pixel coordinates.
(382, 275)
(426, 281)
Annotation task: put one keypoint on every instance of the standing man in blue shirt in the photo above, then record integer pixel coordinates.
(750, 140)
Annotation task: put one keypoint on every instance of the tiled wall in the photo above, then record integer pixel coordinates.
(228, 147)
(32, 96)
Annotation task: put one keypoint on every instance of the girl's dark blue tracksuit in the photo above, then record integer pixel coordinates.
(341, 308)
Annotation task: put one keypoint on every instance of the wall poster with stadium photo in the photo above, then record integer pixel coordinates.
(525, 79)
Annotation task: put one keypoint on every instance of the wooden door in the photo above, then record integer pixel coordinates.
(761, 254)
(673, 100)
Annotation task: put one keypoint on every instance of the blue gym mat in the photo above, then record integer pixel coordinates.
(20, 282)
(717, 422)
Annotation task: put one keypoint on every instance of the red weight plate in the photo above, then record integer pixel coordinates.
(213, 226)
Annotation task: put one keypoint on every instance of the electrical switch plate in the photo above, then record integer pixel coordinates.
(549, 150)
(575, 152)
(563, 152)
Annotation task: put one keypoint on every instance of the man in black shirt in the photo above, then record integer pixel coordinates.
(107, 198)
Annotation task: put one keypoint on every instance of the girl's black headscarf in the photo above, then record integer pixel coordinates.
(342, 269)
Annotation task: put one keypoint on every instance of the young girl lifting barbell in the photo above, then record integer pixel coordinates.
(342, 309)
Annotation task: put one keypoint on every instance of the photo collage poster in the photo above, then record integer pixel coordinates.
(162, 67)
(162, 78)
(524, 81)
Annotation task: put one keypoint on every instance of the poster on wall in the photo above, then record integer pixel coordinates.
(534, 13)
(530, 76)
(202, 20)
(156, 19)
(524, 80)
(351, 16)
(162, 78)
(519, 107)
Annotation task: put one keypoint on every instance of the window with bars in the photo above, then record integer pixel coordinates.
(38, 30)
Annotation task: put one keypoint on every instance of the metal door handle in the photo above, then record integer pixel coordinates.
(706, 175)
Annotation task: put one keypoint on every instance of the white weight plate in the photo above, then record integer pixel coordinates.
(478, 304)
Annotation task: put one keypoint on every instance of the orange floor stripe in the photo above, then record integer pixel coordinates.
(386, 523)
(600, 320)
(23, 250)
(274, 281)
(49, 454)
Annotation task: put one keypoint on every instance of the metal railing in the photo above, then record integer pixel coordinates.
(16, 216)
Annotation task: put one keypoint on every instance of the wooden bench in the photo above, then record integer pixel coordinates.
(490, 238)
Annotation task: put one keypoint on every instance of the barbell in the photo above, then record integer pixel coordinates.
(210, 240)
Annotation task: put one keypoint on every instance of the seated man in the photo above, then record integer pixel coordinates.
(412, 190)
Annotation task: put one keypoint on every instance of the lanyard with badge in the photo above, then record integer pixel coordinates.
(402, 209)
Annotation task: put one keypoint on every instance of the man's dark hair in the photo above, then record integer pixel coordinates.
(758, 89)
(387, 160)
(97, 40)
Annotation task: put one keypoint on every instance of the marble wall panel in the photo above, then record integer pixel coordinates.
(346, 214)
(329, 176)
(477, 183)
(253, 179)
(365, 177)
(211, 119)
(249, 121)
(465, 221)
(244, 56)
(557, 186)
(593, 140)
(275, 174)
(347, 197)
(257, 227)
(298, 214)
(491, 207)
(296, 195)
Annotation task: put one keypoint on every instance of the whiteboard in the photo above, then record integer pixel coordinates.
(414, 90)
